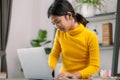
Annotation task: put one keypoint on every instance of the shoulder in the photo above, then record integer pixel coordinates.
(58, 33)
(91, 34)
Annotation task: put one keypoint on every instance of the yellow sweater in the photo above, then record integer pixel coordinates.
(79, 49)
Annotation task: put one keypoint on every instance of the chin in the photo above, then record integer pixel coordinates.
(63, 30)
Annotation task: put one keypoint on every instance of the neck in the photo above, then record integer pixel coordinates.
(75, 24)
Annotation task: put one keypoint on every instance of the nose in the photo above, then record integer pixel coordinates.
(57, 26)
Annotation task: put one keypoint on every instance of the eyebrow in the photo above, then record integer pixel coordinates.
(54, 21)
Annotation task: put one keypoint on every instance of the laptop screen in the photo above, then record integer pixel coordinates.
(34, 63)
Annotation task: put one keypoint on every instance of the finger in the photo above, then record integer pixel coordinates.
(60, 75)
(64, 77)
(74, 77)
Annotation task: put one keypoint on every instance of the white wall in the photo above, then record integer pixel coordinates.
(27, 17)
(40, 19)
(19, 35)
(109, 5)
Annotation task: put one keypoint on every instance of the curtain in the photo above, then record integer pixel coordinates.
(5, 12)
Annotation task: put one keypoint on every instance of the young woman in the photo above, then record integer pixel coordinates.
(78, 45)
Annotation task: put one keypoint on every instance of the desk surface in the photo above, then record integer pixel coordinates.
(28, 79)
(13, 79)
(109, 78)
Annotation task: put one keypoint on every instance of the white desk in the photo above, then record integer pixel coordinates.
(14, 79)
(28, 79)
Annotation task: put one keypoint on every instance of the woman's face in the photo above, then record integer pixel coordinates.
(64, 23)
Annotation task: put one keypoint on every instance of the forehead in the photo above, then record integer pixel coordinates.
(54, 18)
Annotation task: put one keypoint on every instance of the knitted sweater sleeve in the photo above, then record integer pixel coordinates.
(94, 57)
(54, 55)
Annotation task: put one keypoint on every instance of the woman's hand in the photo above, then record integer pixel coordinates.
(77, 75)
(65, 75)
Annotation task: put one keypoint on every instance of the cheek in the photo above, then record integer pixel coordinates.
(65, 24)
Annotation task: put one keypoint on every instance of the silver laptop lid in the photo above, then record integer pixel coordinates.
(34, 63)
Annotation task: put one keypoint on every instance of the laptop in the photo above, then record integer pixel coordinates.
(34, 63)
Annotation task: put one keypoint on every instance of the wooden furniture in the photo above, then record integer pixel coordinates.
(107, 34)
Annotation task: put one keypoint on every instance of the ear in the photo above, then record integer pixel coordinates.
(69, 15)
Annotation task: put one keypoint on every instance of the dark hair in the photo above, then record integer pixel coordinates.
(62, 7)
